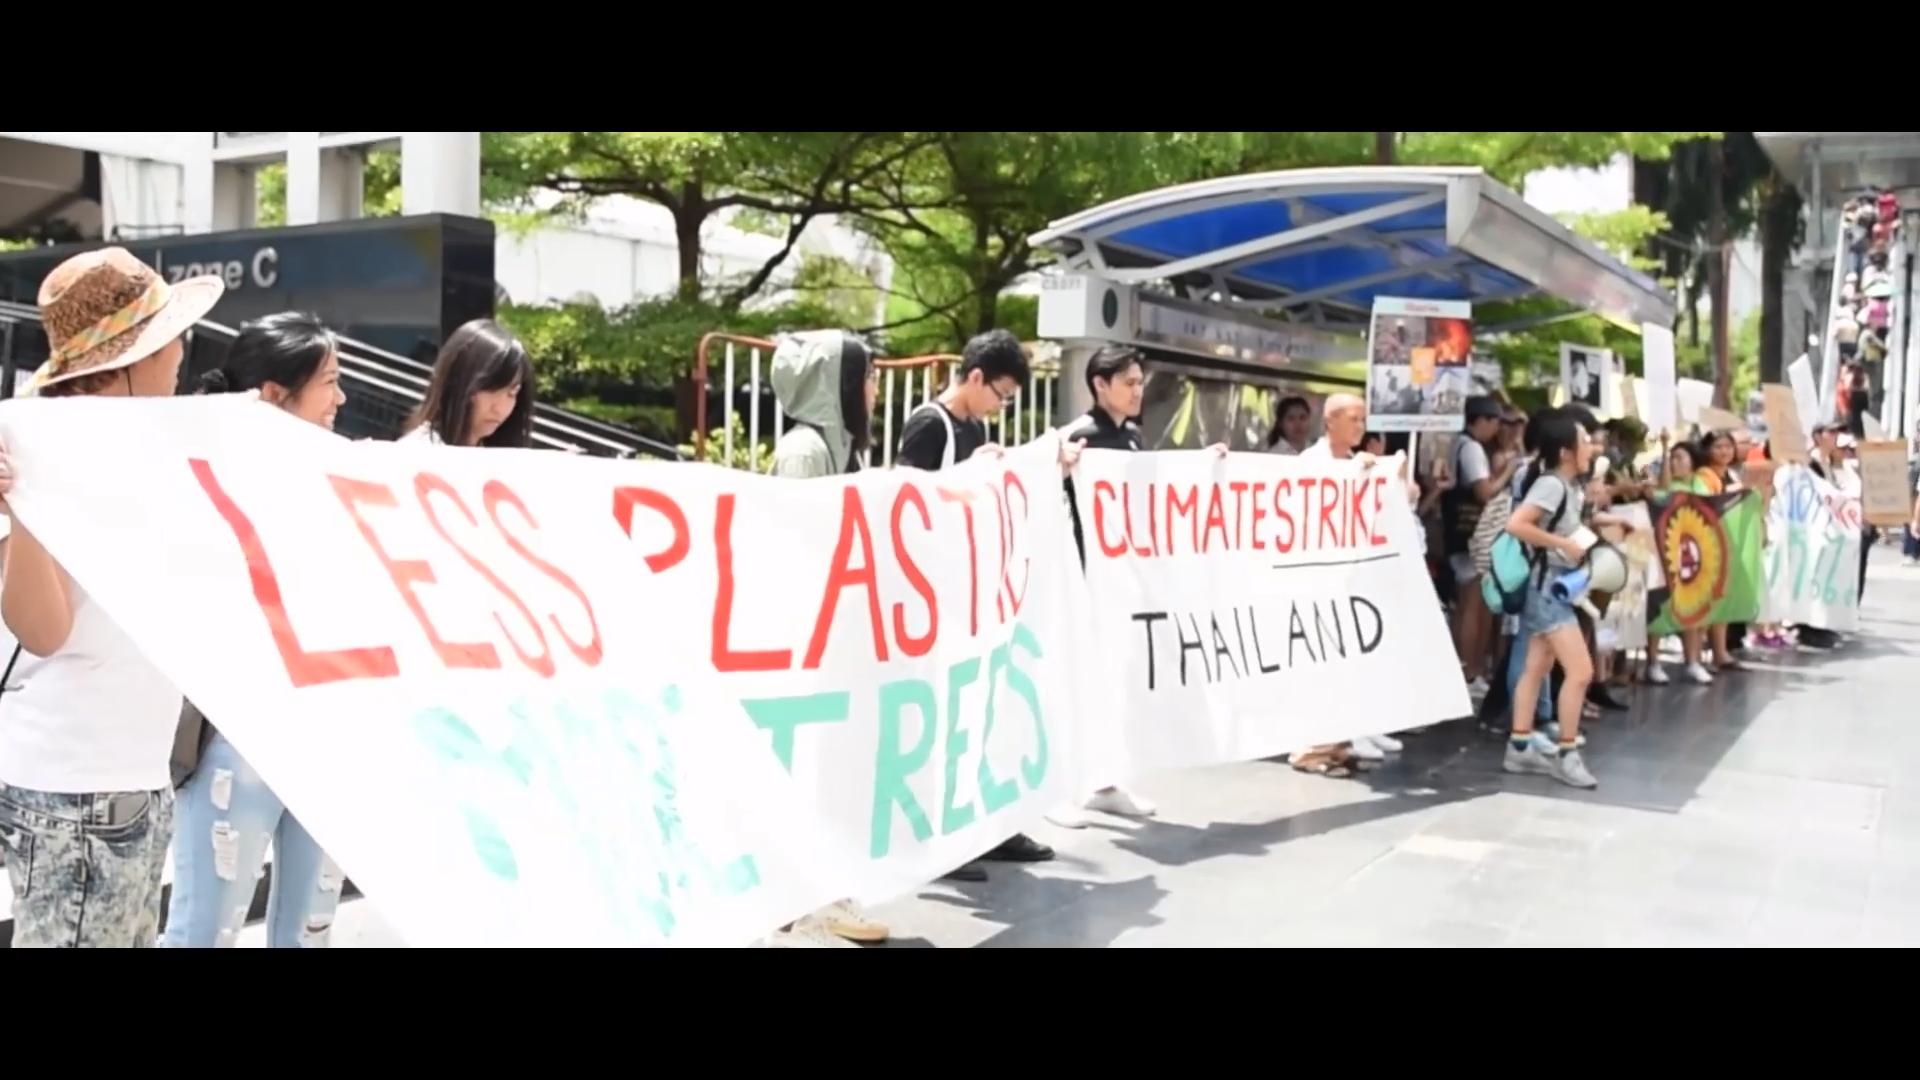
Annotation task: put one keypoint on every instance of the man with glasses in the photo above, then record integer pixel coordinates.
(948, 430)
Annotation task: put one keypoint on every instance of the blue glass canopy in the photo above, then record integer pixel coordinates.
(1338, 238)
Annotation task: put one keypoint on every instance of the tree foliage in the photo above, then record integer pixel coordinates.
(787, 179)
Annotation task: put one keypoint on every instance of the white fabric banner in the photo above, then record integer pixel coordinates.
(529, 698)
(1813, 552)
(1254, 605)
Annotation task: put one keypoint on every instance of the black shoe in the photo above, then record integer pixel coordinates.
(1603, 697)
(1020, 848)
(973, 871)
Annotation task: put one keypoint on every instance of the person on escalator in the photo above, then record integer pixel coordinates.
(826, 382)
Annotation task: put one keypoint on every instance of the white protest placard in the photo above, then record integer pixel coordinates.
(531, 698)
(1656, 343)
(1255, 605)
(1806, 397)
(1885, 495)
(1692, 397)
(1418, 364)
(1588, 378)
(1813, 552)
(1785, 430)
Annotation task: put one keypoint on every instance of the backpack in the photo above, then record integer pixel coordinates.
(1512, 566)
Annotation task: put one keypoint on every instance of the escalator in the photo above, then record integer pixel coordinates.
(382, 388)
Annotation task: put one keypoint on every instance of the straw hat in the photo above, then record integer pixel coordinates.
(105, 310)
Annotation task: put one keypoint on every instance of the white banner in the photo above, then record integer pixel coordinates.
(1253, 605)
(505, 689)
(1813, 552)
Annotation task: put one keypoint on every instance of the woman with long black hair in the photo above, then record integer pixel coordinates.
(482, 391)
(1547, 521)
(227, 813)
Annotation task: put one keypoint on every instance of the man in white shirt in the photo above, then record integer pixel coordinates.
(1346, 428)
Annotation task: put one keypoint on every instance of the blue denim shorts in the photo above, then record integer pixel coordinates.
(1543, 614)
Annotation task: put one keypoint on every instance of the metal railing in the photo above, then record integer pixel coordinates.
(905, 385)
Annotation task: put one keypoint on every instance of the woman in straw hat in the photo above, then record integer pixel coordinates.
(86, 799)
(227, 813)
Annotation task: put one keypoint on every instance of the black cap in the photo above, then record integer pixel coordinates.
(1482, 407)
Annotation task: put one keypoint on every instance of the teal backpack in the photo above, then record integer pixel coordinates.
(1511, 565)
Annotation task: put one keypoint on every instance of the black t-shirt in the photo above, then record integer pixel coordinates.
(923, 442)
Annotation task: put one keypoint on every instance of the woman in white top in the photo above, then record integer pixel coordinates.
(482, 393)
(227, 813)
(86, 799)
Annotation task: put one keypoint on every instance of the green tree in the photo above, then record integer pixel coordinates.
(786, 179)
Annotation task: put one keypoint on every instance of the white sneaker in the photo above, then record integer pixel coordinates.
(1570, 768)
(1387, 742)
(1478, 688)
(1364, 749)
(1699, 674)
(846, 919)
(1530, 760)
(1547, 739)
(1657, 674)
(1116, 801)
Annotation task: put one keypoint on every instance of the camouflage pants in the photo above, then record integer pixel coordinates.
(85, 868)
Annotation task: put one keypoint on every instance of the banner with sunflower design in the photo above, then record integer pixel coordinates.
(1711, 548)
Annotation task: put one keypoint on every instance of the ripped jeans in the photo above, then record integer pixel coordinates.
(225, 816)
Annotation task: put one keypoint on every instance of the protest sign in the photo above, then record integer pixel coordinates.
(1785, 429)
(1886, 495)
(1418, 352)
(1657, 364)
(1587, 376)
(1710, 548)
(523, 697)
(1813, 552)
(1253, 605)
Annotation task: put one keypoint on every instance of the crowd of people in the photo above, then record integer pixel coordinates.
(104, 770)
(1543, 663)
(1862, 323)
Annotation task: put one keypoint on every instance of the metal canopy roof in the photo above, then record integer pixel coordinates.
(1327, 241)
(1848, 161)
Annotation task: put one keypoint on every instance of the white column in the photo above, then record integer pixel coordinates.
(440, 172)
(342, 185)
(198, 193)
(234, 198)
(303, 177)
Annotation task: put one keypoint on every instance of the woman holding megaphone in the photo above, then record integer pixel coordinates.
(1548, 521)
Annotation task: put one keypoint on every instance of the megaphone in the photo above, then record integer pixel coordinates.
(1604, 569)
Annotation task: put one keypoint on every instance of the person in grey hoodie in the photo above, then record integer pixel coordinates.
(825, 381)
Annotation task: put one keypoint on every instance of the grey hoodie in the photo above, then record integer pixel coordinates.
(806, 381)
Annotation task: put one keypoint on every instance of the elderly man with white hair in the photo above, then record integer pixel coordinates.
(1346, 427)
